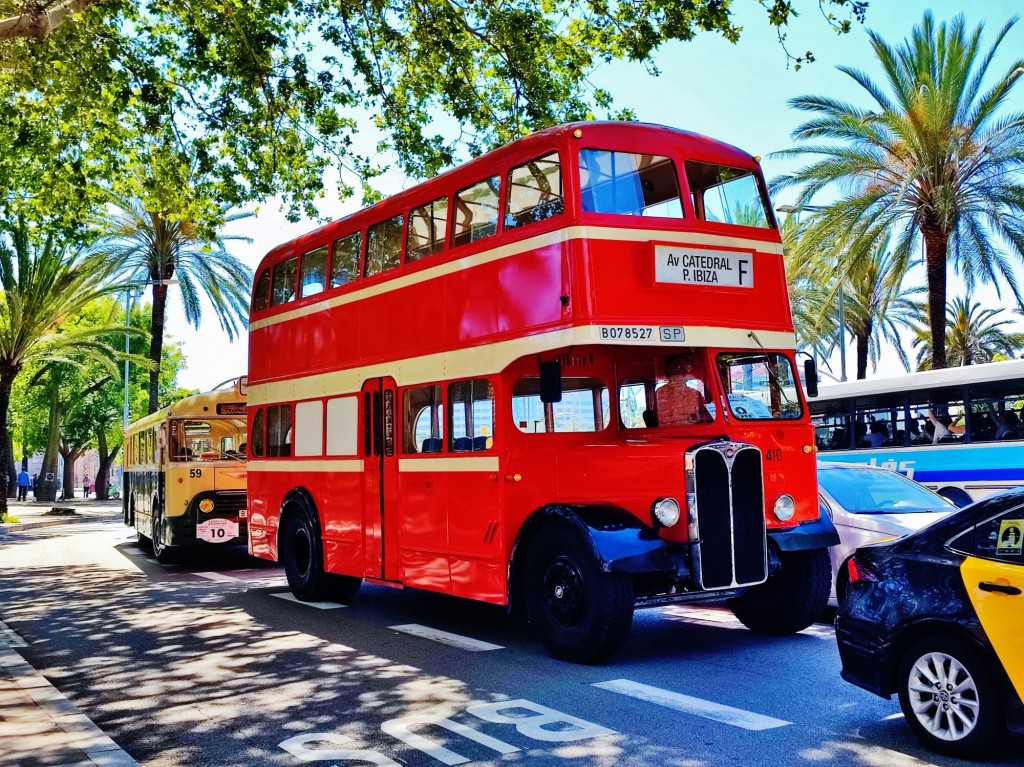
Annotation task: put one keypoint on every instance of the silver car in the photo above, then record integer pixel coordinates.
(868, 504)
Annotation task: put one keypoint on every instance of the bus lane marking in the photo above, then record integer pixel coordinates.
(219, 577)
(455, 640)
(531, 720)
(737, 717)
(287, 595)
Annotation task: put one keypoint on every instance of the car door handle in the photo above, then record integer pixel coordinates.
(989, 586)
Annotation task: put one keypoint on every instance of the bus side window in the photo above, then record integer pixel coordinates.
(471, 415)
(257, 434)
(384, 246)
(279, 430)
(428, 228)
(629, 184)
(534, 192)
(422, 421)
(583, 407)
(345, 259)
(261, 295)
(476, 212)
(283, 289)
(313, 272)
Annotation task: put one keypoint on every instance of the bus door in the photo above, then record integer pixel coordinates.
(380, 479)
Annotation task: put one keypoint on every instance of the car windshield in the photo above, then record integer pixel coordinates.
(879, 491)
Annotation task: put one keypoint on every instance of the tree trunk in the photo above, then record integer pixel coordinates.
(936, 243)
(156, 344)
(6, 381)
(46, 484)
(862, 353)
(12, 472)
(71, 456)
(106, 461)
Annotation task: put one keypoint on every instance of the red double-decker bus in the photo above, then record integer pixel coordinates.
(559, 377)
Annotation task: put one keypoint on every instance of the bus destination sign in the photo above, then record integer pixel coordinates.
(697, 266)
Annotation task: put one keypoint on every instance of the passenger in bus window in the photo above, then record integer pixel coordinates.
(916, 437)
(681, 400)
(877, 434)
(935, 428)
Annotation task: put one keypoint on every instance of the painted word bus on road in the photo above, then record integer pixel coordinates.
(558, 377)
(957, 431)
(185, 472)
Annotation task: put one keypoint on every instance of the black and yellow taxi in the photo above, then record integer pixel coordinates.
(937, 618)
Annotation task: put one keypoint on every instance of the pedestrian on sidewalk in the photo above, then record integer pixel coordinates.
(23, 481)
(85, 485)
(35, 481)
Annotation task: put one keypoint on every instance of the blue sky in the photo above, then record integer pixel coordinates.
(735, 93)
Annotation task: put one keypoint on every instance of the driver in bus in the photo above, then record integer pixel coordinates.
(681, 400)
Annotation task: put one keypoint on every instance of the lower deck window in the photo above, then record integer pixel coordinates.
(583, 407)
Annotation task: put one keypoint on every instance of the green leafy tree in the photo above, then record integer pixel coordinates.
(155, 247)
(264, 96)
(973, 335)
(936, 162)
(43, 285)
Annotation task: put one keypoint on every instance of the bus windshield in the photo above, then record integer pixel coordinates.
(759, 386)
(207, 439)
(726, 195)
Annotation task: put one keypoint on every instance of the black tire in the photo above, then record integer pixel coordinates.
(162, 553)
(964, 719)
(302, 554)
(792, 598)
(342, 588)
(582, 614)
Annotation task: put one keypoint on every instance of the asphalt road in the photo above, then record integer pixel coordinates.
(206, 663)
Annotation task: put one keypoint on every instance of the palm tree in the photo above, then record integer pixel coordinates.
(878, 307)
(932, 162)
(154, 247)
(973, 335)
(806, 278)
(43, 285)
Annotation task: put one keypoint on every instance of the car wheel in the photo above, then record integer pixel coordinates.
(792, 598)
(303, 563)
(582, 614)
(948, 697)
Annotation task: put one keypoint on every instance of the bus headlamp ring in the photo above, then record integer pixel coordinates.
(665, 512)
(206, 505)
(785, 508)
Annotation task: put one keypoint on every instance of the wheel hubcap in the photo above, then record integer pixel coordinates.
(943, 696)
(563, 592)
(302, 552)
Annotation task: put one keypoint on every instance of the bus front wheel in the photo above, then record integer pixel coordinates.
(163, 553)
(792, 598)
(582, 614)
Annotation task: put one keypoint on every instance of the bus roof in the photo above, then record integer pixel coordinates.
(927, 379)
(697, 146)
(203, 405)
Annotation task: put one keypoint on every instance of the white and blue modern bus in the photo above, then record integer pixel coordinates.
(957, 431)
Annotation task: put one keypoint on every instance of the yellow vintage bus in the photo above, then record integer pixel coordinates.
(185, 472)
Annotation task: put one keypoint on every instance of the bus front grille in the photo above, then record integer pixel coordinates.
(725, 496)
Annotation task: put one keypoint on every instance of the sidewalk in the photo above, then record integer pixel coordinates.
(39, 727)
(32, 514)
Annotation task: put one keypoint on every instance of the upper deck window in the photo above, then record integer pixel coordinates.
(476, 211)
(629, 184)
(428, 227)
(283, 288)
(534, 191)
(313, 272)
(345, 259)
(260, 296)
(384, 246)
(727, 195)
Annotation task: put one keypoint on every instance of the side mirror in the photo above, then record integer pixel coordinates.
(810, 378)
(550, 382)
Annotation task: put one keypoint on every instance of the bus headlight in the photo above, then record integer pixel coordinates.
(665, 512)
(785, 508)
(206, 505)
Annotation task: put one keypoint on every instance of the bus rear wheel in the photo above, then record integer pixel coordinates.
(792, 598)
(303, 562)
(582, 614)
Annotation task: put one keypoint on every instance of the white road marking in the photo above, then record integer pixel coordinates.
(455, 640)
(218, 577)
(690, 705)
(318, 605)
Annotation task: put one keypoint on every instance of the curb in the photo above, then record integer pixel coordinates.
(14, 527)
